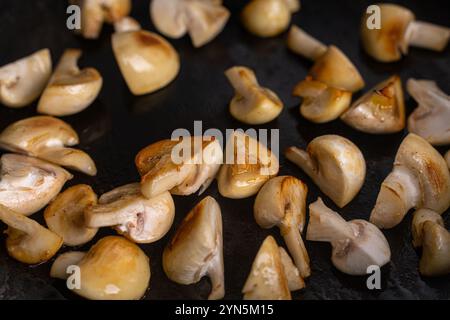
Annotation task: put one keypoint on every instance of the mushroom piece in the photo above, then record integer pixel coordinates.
(202, 19)
(139, 219)
(398, 31)
(113, 269)
(249, 164)
(268, 18)
(196, 250)
(27, 241)
(281, 202)
(331, 65)
(27, 184)
(379, 111)
(65, 215)
(46, 138)
(431, 119)
(321, 103)
(335, 164)
(447, 157)
(420, 179)
(429, 232)
(252, 104)
(70, 90)
(179, 166)
(357, 244)
(22, 81)
(126, 24)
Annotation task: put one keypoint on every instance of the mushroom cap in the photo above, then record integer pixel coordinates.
(380, 110)
(65, 215)
(27, 184)
(431, 119)
(385, 44)
(435, 259)
(23, 80)
(336, 70)
(147, 61)
(420, 217)
(63, 261)
(114, 269)
(266, 18)
(196, 250)
(70, 90)
(251, 103)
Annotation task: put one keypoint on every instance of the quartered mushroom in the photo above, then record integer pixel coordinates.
(420, 179)
(179, 166)
(28, 184)
(27, 241)
(331, 65)
(428, 232)
(47, 138)
(65, 215)
(379, 111)
(281, 202)
(357, 244)
(249, 164)
(196, 250)
(335, 164)
(431, 118)
(268, 18)
(70, 90)
(139, 219)
(398, 31)
(23, 80)
(252, 104)
(203, 20)
(113, 269)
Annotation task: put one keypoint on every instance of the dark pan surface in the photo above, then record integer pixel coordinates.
(118, 125)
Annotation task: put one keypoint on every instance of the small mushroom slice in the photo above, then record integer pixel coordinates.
(27, 184)
(196, 250)
(357, 244)
(63, 262)
(420, 179)
(70, 90)
(249, 164)
(321, 103)
(281, 202)
(22, 81)
(252, 104)
(431, 119)
(139, 219)
(65, 215)
(335, 164)
(398, 31)
(27, 241)
(379, 111)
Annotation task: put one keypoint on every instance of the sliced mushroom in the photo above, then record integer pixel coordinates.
(249, 164)
(23, 80)
(281, 202)
(27, 241)
(252, 104)
(268, 18)
(65, 215)
(46, 138)
(196, 250)
(431, 119)
(139, 219)
(113, 269)
(27, 184)
(379, 111)
(63, 262)
(331, 65)
(398, 31)
(70, 90)
(420, 179)
(357, 244)
(335, 164)
(321, 103)
(181, 166)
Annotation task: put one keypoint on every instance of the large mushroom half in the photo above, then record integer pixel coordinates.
(420, 179)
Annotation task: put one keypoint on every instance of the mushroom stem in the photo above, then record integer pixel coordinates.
(68, 62)
(302, 159)
(304, 44)
(426, 35)
(107, 215)
(242, 80)
(126, 24)
(296, 247)
(216, 274)
(17, 221)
